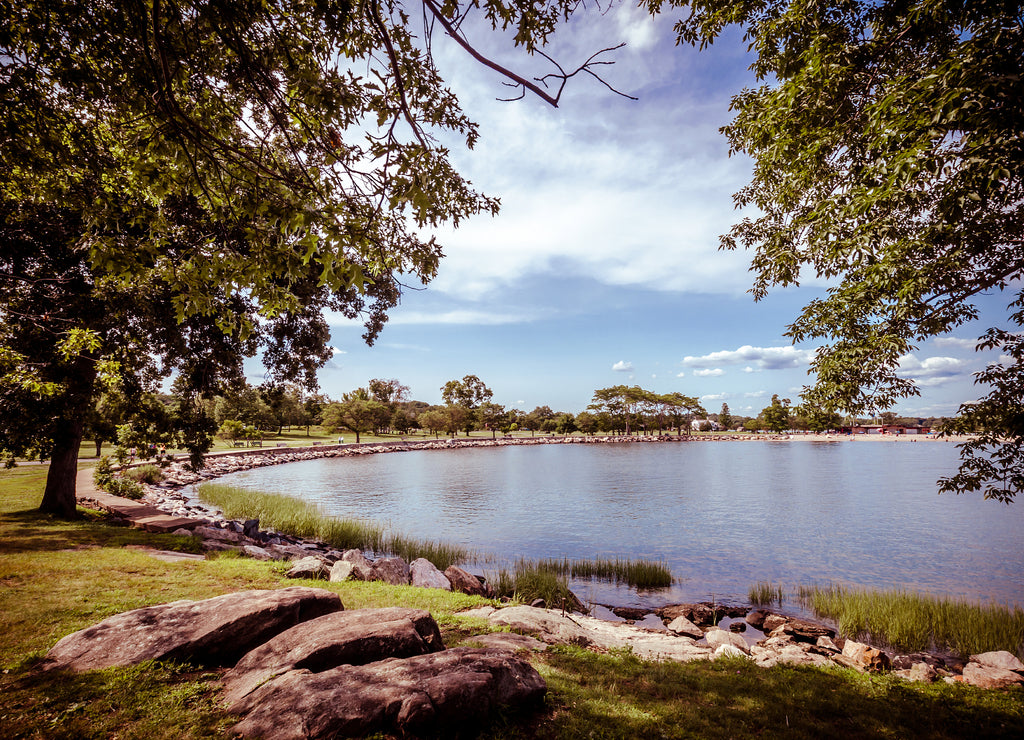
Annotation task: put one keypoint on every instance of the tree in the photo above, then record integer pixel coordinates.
(888, 159)
(492, 416)
(467, 394)
(776, 417)
(356, 412)
(434, 419)
(724, 418)
(816, 419)
(183, 184)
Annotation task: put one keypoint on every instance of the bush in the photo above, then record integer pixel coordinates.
(103, 473)
(125, 487)
(146, 474)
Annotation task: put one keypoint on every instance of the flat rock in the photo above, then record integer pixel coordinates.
(509, 641)
(449, 690)
(425, 574)
(999, 659)
(212, 632)
(352, 637)
(990, 677)
(683, 626)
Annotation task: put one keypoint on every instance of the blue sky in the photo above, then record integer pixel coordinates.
(602, 267)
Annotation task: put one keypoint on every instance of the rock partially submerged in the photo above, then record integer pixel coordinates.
(212, 632)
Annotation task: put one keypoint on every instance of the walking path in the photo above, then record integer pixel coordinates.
(138, 514)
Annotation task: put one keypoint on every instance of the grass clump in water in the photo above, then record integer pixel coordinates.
(530, 580)
(634, 572)
(765, 593)
(303, 519)
(912, 622)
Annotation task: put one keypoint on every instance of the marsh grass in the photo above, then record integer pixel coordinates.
(528, 580)
(302, 519)
(644, 574)
(912, 622)
(764, 593)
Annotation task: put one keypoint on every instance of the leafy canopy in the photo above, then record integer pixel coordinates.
(888, 158)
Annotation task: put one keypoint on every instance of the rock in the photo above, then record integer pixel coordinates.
(905, 662)
(256, 553)
(352, 637)
(756, 618)
(362, 569)
(794, 654)
(539, 604)
(990, 677)
(771, 623)
(804, 631)
(825, 643)
(464, 581)
(629, 612)
(311, 567)
(212, 632)
(866, 657)
(727, 651)
(840, 659)
(552, 627)
(425, 574)
(702, 614)
(509, 641)
(393, 571)
(251, 527)
(918, 672)
(717, 637)
(452, 689)
(215, 533)
(683, 626)
(342, 570)
(738, 627)
(999, 659)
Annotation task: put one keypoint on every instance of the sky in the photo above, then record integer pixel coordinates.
(603, 267)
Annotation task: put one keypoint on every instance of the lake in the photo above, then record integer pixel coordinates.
(722, 515)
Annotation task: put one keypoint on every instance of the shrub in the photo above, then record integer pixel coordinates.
(146, 474)
(125, 487)
(103, 473)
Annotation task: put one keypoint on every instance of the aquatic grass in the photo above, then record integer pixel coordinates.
(765, 593)
(293, 516)
(528, 581)
(912, 621)
(636, 572)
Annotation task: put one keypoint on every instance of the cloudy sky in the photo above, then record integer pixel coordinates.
(602, 267)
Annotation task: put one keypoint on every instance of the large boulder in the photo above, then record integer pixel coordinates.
(425, 574)
(466, 582)
(391, 570)
(312, 567)
(212, 632)
(991, 677)
(352, 637)
(550, 626)
(683, 626)
(717, 637)
(803, 631)
(450, 690)
(999, 659)
(866, 657)
(362, 569)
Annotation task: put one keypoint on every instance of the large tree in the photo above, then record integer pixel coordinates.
(888, 147)
(185, 182)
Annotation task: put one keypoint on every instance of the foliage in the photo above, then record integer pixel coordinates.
(357, 412)
(150, 474)
(724, 417)
(462, 399)
(913, 622)
(632, 406)
(125, 488)
(776, 417)
(888, 160)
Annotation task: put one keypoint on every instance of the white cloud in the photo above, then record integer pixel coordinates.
(762, 358)
(337, 351)
(708, 373)
(623, 367)
(715, 397)
(955, 342)
(931, 367)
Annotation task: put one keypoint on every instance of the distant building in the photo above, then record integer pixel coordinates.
(894, 429)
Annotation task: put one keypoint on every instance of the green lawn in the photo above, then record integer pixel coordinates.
(57, 577)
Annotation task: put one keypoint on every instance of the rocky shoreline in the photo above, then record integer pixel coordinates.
(688, 631)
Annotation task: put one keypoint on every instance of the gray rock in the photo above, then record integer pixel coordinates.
(311, 567)
(756, 618)
(257, 553)
(683, 626)
(727, 651)
(391, 570)
(352, 637)
(717, 637)
(342, 570)
(418, 695)
(771, 623)
(425, 574)
(921, 672)
(549, 625)
(362, 569)
(509, 641)
(215, 631)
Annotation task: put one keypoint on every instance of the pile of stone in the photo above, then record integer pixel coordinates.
(300, 666)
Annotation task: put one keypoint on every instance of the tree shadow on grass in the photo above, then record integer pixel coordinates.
(625, 698)
(33, 531)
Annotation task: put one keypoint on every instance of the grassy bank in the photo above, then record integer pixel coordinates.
(912, 622)
(300, 518)
(58, 577)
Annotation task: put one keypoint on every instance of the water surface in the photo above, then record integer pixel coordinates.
(722, 515)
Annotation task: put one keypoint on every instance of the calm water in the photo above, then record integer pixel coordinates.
(722, 515)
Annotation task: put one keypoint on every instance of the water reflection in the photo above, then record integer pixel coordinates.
(721, 515)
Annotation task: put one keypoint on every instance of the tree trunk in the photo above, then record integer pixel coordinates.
(99, 447)
(59, 496)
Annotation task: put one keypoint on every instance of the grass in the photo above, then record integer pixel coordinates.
(765, 593)
(57, 577)
(913, 622)
(636, 572)
(293, 516)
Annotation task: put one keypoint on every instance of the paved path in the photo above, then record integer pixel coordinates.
(139, 514)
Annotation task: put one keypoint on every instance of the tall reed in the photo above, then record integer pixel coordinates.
(634, 572)
(302, 519)
(911, 621)
(765, 593)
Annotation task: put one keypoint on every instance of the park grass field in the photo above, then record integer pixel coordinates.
(57, 577)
